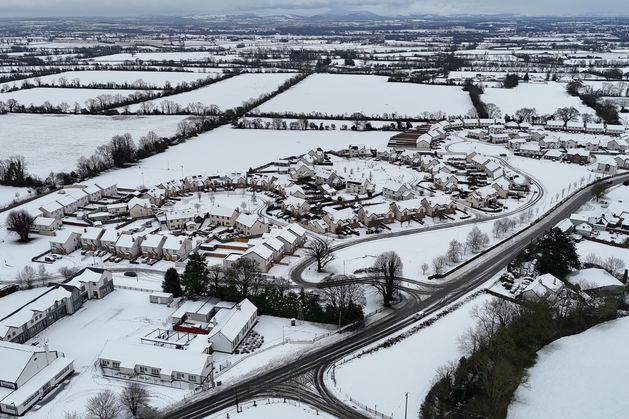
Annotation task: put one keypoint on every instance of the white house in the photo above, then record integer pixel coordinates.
(139, 208)
(128, 246)
(45, 225)
(152, 245)
(65, 242)
(251, 225)
(108, 240)
(175, 248)
(543, 287)
(232, 326)
(223, 216)
(52, 210)
(396, 191)
(92, 283)
(177, 220)
(261, 255)
(91, 238)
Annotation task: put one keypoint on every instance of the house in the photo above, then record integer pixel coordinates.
(615, 130)
(91, 238)
(65, 242)
(396, 191)
(515, 144)
(156, 364)
(117, 209)
(578, 155)
(295, 190)
(261, 255)
(554, 155)
(45, 225)
(374, 215)
(496, 129)
(176, 248)
(165, 298)
(251, 225)
(177, 220)
(573, 126)
(445, 181)
(139, 208)
(493, 169)
(438, 206)
(69, 204)
(337, 220)
(358, 151)
(108, 240)
(607, 166)
(477, 134)
(223, 216)
(232, 325)
(555, 125)
(617, 144)
(482, 197)
(152, 246)
(301, 170)
(596, 281)
(128, 246)
(408, 209)
(550, 142)
(28, 374)
(584, 229)
(94, 193)
(565, 226)
(156, 196)
(52, 210)
(568, 143)
(499, 138)
(471, 123)
(502, 187)
(295, 206)
(92, 283)
(530, 150)
(622, 161)
(359, 187)
(318, 226)
(543, 287)
(109, 190)
(592, 145)
(277, 246)
(592, 128)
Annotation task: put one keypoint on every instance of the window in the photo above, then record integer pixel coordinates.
(154, 371)
(192, 378)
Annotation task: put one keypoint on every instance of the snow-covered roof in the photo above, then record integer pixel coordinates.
(62, 237)
(543, 285)
(378, 209)
(261, 250)
(578, 152)
(110, 235)
(485, 191)
(91, 233)
(126, 241)
(139, 201)
(14, 358)
(564, 225)
(86, 275)
(296, 229)
(593, 278)
(153, 240)
(409, 204)
(219, 211)
(167, 360)
(555, 152)
(237, 319)
(274, 244)
(42, 221)
(529, 147)
(173, 243)
(248, 220)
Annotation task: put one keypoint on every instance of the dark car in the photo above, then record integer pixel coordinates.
(130, 273)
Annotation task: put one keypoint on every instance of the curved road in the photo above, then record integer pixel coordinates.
(302, 379)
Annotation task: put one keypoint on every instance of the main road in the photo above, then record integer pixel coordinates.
(302, 379)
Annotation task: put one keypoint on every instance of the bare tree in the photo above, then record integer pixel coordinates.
(567, 114)
(526, 114)
(103, 405)
(340, 294)
(133, 397)
(71, 415)
(613, 265)
(244, 276)
(425, 268)
(593, 259)
(476, 239)
(216, 276)
(388, 265)
(321, 251)
(68, 271)
(439, 264)
(455, 251)
(27, 276)
(42, 273)
(20, 222)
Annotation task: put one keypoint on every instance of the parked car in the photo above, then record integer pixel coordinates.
(130, 273)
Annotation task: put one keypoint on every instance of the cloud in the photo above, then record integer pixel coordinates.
(389, 7)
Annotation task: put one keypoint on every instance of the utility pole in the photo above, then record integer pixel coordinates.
(406, 406)
(237, 405)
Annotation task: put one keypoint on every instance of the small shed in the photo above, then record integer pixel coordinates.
(161, 298)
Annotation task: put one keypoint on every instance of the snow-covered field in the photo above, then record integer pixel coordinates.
(122, 315)
(382, 378)
(55, 142)
(10, 193)
(229, 93)
(225, 150)
(57, 95)
(272, 408)
(578, 377)
(155, 56)
(151, 78)
(346, 94)
(546, 98)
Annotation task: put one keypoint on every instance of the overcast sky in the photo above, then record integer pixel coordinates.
(12, 8)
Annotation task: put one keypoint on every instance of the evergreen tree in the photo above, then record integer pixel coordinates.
(195, 276)
(557, 254)
(172, 282)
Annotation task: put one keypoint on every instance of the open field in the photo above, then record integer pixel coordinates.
(55, 142)
(228, 93)
(370, 95)
(57, 95)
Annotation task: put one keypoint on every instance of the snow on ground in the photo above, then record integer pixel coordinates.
(546, 98)
(556, 386)
(272, 408)
(155, 56)
(346, 94)
(56, 95)
(382, 378)
(151, 78)
(228, 93)
(55, 142)
(9, 194)
(225, 150)
(122, 315)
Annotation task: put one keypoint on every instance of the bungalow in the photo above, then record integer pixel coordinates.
(615, 130)
(232, 326)
(584, 229)
(156, 364)
(65, 242)
(396, 191)
(152, 245)
(176, 248)
(52, 210)
(543, 287)
(223, 216)
(128, 246)
(596, 281)
(578, 155)
(295, 206)
(251, 225)
(139, 208)
(45, 225)
(408, 209)
(373, 215)
(91, 238)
